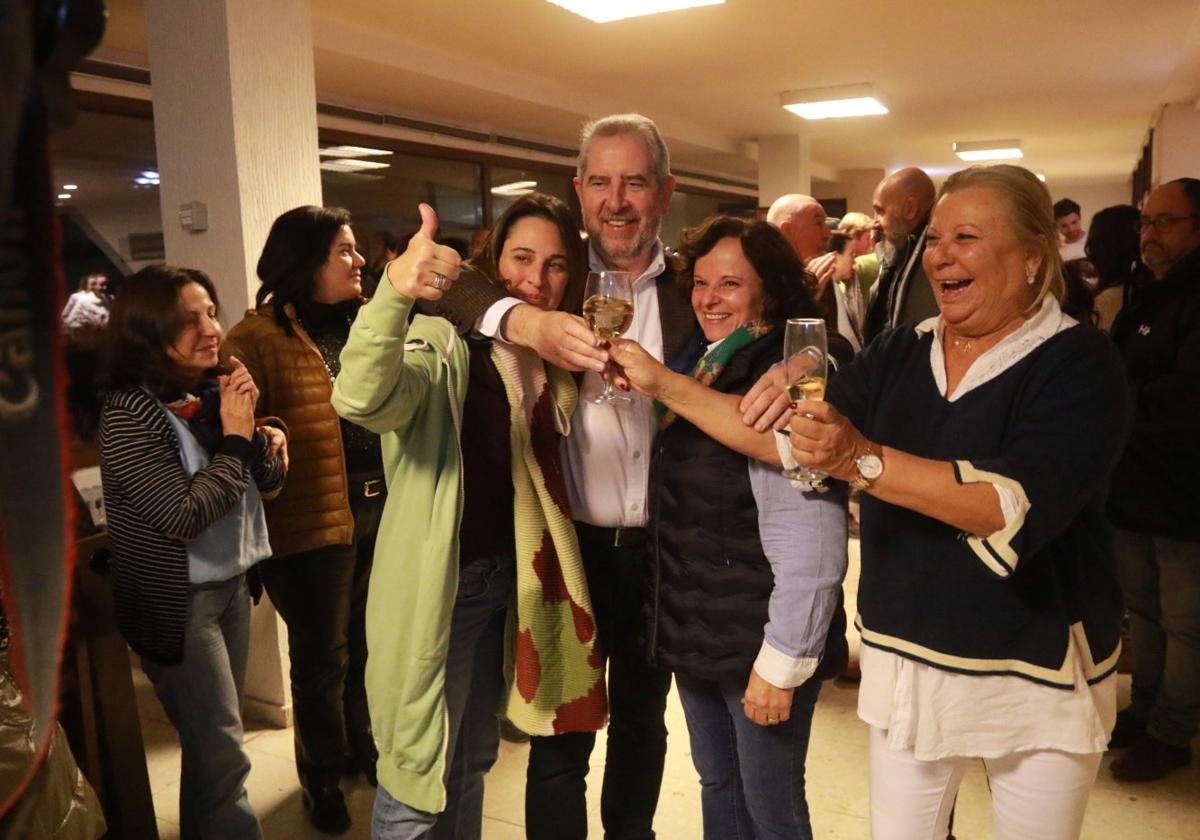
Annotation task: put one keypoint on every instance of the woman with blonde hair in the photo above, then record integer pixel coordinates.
(988, 605)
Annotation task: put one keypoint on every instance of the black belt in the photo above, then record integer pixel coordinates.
(616, 537)
(367, 488)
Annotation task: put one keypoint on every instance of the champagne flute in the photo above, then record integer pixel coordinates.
(806, 361)
(608, 310)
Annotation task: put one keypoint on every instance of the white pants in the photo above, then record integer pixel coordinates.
(1035, 795)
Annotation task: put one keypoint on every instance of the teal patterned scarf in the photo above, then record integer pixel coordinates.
(709, 366)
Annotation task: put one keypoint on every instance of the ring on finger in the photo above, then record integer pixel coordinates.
(772, 719)
(439, 282)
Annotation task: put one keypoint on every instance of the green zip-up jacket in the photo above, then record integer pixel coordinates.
(407, 383)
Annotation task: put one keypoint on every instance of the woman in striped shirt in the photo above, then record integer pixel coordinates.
(184, 467)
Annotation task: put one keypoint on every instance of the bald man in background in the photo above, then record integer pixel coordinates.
(801, 220)
(902, 294)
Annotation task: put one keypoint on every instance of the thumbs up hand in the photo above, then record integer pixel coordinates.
(425, 269)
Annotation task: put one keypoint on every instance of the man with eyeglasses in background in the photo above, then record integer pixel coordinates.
(1154, 499)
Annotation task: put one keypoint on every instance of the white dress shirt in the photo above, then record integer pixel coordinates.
(607, 455)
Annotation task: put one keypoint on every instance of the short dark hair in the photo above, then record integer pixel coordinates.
(297, 246)
(486, 259)
(1065, 207)
(1191, 189)
(1112, 245)
(144, 321)
(787, 290)
(389, 240)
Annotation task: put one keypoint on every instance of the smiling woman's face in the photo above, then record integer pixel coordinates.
(976, 265)
(196, 347)
(726, 290)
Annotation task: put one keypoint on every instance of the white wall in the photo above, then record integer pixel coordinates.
(1177, 142)
(857, 186)
(1092, 197)
(115, 219)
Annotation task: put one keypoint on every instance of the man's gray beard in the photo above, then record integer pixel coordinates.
(886, 252)
(610, 259)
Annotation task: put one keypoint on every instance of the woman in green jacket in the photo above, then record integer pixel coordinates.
(476, 514)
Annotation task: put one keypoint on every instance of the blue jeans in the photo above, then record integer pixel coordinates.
(202, 697)
(751, 776)
(474, 687)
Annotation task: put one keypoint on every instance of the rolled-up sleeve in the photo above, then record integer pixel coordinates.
(804, 538)
(1066, 435)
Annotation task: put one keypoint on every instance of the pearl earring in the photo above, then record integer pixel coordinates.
(1031, 278)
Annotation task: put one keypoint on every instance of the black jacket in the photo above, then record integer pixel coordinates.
(1156, 485)
(711, 582)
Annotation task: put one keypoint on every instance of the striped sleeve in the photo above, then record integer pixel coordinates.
(147, 467)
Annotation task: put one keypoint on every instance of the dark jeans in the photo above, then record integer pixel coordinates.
(555, 804)
(311, 591)
(751, 776)
(474, 690)
(368, 512)
(202, 698)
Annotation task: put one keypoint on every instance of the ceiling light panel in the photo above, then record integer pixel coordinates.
(516, 188)
(351, 165)
(835, 102)
(353, 152)
(606, 11)
(982, 150)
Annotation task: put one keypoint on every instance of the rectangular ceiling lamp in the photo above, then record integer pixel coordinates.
(351, 165)
(834, 102)
(515, 189)
(353, 152)
(605, 11)
(989, 150)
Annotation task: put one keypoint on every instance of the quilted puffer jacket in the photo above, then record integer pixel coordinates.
(293, 383)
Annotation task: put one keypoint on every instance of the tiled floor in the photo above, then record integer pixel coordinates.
(837, 785)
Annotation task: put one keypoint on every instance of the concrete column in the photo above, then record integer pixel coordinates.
(784, 166)
(235, 126)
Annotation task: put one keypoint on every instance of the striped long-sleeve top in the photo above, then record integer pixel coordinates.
(154, 508)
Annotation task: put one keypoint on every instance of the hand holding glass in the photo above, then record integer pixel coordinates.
(806, 361)
(608, 310)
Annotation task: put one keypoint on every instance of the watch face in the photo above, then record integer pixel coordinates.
(870, 466)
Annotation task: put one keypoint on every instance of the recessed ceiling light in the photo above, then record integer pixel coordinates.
(351, 165)
(828, 103)
(70, 187)
(516, 188)
(64, 195)
(604, 11)
(353, 152)
(989, 150)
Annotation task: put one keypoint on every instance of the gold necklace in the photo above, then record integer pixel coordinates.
(963, 345)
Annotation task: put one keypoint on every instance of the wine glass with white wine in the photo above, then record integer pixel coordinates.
(608, 310)
(806, 361)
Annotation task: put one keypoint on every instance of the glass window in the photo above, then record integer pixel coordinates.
(386, 197)
(106, 166)
(507, 184)
(689, 209)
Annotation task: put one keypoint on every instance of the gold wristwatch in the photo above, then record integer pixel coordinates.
(868, 467)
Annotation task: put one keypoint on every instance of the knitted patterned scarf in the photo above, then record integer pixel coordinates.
(554, 665)
(709, 366)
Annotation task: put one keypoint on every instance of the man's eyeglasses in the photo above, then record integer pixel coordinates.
(1159, 223)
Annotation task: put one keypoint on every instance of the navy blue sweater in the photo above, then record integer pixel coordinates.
(1049, 428)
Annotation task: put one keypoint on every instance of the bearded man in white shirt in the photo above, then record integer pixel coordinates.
(625, 186)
